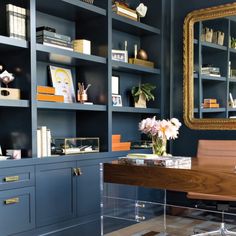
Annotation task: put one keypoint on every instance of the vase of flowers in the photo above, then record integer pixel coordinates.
(160, 131)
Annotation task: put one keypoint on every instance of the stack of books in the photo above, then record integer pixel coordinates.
(16, 21)
(211, 71)
(53, 39)
(117, 145)
(47, 94)
(122, 10)
(151, 159)
(210, 103)
(43, 142)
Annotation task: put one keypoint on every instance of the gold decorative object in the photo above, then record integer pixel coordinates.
(212, 13)
(82, 93)
(142, 54)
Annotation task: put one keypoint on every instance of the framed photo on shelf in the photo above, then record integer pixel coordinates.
(63, 83)
(115, 82)
(119, 55)
(116, 100)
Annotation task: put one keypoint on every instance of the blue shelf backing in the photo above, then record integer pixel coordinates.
(70, 106)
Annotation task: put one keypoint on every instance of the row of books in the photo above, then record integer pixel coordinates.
(16, 21)
(211, 71)
(43, 142)
(54, 39)
(122, 10)
(210, 103)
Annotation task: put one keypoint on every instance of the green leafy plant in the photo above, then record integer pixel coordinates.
(144, 89)
(233, 42)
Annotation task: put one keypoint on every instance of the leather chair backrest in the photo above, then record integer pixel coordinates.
(217, 152)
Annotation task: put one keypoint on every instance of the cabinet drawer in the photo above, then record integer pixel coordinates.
(17, 210)
(16, 177)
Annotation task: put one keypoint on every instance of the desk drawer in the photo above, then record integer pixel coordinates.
(17, 208)
(16, 177)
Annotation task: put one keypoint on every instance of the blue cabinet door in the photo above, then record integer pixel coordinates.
(88, 190)
(55, 193)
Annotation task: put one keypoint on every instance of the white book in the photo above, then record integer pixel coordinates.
(10, 20)
(19, 22)
(23, 22)
(44, 148)
(15, 22)
(39, 143)
(48, 142)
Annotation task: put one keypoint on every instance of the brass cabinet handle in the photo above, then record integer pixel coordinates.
(77, 171)
(11, 201)
(12, 178)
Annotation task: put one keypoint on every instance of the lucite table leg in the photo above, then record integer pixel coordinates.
(101, 196)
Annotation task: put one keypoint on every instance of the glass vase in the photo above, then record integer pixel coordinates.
(159, 146)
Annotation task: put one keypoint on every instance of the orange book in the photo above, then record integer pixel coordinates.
(116, 138)
(211, 105)
(46, 90)
(123, 146)
(210, 101)
(50, 98)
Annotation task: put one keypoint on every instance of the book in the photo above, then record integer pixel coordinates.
(39, 143)
(44, 149)
(57, 46)
(211, 105)
(43, 37)
(55, 42)
(10, 20)
(46, 90)
(50, 98)
(49, 142)
(124, 11)
(210, 100)
(121, 146)
(152, 159)
(53, 35)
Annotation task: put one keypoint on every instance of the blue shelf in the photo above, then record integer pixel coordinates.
(208, 45)
(211, 78)
(63, 56)
(232, 80)
(70, 9)
(127, 25)
(136, 110)
(14, 103)
(70, 106)
(213, 110)
(8, 43)
(131, 68)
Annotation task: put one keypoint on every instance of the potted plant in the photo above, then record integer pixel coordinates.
(142, 94)
(233, 43)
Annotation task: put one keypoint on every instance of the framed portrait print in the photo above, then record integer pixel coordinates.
(119, 55)
(63, 83)
(115, 81)
(116, 100)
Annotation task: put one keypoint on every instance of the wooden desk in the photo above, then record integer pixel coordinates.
(203, 179)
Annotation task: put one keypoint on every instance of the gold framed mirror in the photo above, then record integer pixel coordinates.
(209, 61)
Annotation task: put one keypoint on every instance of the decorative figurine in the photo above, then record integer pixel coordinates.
(142, 55)
(141, 10)
(82, 95)
(6, 77)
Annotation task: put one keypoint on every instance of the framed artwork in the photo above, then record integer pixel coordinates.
(63, 83)
(115, 80)
(119, 55)
(116, 100)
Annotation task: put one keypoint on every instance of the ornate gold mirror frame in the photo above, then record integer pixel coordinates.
(188, 63)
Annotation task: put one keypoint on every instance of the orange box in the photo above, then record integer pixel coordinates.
(46, 90)
(123, 146)
(50, 98)
(116, 138)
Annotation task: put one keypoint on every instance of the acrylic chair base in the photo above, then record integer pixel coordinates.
(221, 231)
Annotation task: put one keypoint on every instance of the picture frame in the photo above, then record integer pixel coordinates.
(116, 100)
(119, 55)
(63, 83)
(115, 82)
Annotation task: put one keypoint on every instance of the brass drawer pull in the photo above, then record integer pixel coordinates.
(12, 201)
(77, 171)
(12, 178)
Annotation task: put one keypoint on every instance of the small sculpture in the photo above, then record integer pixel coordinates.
(6, 77)
(141, 10)
(82, 95)
(142, 55)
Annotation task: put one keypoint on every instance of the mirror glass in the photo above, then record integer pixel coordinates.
(210, 68)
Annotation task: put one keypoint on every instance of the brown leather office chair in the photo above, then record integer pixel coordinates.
(222, 152)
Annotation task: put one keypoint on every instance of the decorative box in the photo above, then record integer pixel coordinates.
(218, 37)
(207, 35)
(82, 46)
(9, 93)
(78, 145)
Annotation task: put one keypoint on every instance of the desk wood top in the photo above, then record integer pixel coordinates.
(211, 179)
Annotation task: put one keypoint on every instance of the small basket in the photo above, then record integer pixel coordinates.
(88, 1)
